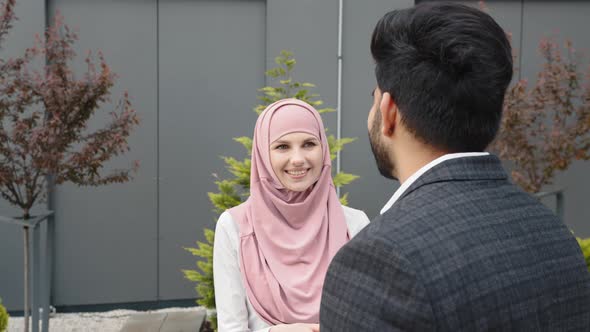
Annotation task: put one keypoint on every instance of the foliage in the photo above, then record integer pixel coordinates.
(204, 279)
(545, 127)
(231, 191)
(585, 246)
(44, 117)
(3, 318)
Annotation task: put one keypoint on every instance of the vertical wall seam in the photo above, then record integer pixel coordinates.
(157, 150)
(268, 58)
(520, 47)
(339, 91)
(46, 9)
(50, 229)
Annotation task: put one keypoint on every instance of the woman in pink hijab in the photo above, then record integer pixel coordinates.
(272, 252)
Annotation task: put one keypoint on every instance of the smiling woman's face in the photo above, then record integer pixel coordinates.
(297, 160)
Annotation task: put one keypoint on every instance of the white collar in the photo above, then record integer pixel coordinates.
(404, 186)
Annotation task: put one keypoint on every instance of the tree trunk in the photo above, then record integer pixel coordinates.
(26, 285)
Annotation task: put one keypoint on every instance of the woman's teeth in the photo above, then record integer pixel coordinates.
(297, 172)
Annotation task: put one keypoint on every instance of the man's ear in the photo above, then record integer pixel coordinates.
(389, 114)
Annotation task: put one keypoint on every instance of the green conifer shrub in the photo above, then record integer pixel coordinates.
(3, 318)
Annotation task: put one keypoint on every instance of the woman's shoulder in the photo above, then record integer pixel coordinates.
(226, 218)
(354, 213)
(226, 223)
(355, 219)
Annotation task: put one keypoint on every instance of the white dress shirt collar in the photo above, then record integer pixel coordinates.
(404, 186)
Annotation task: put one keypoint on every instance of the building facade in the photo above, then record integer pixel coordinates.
(193, 69)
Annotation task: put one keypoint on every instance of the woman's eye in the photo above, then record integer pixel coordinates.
(310, 144)
(281, 147)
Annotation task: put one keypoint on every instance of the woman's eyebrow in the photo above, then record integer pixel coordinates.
(310, 139)
(279, 142)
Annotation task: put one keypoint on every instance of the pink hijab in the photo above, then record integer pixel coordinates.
(287, 238)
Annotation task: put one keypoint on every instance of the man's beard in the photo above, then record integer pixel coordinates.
(380, 152)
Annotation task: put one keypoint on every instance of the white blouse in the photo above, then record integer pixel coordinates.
(234, 311)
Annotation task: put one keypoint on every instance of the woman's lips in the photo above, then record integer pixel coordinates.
(297, 174)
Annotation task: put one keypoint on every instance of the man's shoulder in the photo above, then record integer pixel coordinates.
(381, 234)
(446, 211)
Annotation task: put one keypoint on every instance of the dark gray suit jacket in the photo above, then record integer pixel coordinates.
(463, 249)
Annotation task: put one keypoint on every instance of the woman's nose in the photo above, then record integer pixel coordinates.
(298, 158)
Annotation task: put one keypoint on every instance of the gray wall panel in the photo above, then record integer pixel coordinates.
(371, 191)
(106, 236)
(211, 64)
(309, 29)
(31, 20)
(562, 20)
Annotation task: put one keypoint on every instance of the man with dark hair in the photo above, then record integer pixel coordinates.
(458, 247)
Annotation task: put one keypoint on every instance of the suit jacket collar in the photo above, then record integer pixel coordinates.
(487, 167)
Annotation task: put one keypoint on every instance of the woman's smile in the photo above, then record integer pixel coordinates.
(298, 174)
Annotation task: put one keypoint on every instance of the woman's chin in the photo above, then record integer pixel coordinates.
(299, 187)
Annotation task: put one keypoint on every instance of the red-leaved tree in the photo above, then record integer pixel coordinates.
(44, 116)
(546, 126)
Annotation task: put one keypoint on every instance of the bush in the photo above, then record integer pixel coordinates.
(3, 318)
(585, 246)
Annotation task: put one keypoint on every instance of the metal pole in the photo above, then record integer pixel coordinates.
(35, 269)
(560, 208)
(559, 201)
(47, 272)
(49, 250)
(26, 284)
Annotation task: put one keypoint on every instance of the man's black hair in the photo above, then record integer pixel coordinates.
(447, 67)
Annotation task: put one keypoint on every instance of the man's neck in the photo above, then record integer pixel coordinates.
(414, 160)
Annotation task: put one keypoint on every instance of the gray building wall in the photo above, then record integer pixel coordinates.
(199, 110)
(106, 237)
(193, 68)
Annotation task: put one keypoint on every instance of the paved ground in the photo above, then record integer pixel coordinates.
(187, 321)
(169, 319)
